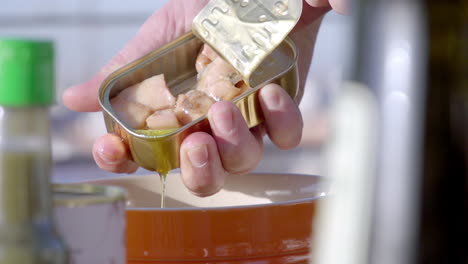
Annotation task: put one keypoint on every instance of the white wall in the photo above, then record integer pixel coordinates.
(86, 33)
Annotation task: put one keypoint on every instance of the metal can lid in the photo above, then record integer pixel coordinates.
(245, 32)
(26, 73)
(80, 195)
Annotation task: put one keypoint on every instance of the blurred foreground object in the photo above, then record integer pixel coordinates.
(400, 197)
(27, 233)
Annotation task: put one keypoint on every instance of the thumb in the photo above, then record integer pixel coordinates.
(166, 24)
(339, 6)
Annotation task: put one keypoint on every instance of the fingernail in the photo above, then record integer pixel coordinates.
(224, 120)
(198, 155)
(108, 158)
(272, 99)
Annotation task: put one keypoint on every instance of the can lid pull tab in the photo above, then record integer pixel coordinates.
(245, 32)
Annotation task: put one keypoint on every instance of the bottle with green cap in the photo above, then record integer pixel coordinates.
(27, 233)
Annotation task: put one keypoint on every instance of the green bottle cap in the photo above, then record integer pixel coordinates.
(26, 73)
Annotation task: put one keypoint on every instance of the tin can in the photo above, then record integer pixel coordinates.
(176, 60)
(91, 220)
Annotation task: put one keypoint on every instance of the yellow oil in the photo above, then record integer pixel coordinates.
(159, 132)
(164, 165)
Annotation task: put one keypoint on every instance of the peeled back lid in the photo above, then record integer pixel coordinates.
(245, 32)
(26, 73)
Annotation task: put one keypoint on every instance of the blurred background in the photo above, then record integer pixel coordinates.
(88, 33)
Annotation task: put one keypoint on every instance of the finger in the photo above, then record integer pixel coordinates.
(304, 35)
(282, 116)
(202, 171)
(318, 3)
(165, 25)
(111, 154)
(310, 14)
(239, 149)
(339, 6)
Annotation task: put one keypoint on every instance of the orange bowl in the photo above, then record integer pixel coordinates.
(255, 218)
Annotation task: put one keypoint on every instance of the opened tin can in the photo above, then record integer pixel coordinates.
(91, 220)
(176, 60)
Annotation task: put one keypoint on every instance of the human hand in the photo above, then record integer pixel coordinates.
(233, 148)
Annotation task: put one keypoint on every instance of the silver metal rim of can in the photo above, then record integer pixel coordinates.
(87, 194)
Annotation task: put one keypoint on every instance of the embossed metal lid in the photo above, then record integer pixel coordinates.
(245, 32)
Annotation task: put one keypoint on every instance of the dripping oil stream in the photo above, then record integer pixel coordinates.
(163, 176)
(164, 164)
